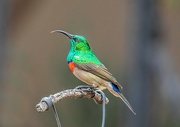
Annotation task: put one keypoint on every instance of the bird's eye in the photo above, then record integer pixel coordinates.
(76, 40)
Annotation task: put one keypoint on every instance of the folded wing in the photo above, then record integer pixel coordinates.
(98, 70)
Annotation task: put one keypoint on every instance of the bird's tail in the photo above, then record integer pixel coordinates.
(126, 102)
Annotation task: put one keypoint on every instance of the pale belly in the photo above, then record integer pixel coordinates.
(90, 79)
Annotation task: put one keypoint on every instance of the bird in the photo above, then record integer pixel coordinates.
(87, 68)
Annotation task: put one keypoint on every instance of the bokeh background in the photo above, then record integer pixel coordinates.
(137, 40)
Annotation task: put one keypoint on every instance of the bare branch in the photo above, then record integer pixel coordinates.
(86, 92)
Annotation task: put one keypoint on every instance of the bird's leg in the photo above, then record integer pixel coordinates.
(85, 87)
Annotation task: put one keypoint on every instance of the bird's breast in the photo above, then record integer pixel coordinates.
(71, 65)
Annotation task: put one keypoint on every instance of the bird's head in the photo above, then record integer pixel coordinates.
(78, 43)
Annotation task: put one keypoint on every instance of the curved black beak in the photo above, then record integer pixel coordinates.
(63, 32)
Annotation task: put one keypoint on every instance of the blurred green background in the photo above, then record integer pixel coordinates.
(137, 40)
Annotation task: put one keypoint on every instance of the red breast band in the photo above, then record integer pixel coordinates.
(71, 66)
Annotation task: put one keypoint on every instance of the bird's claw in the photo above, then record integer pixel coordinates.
(85, 87)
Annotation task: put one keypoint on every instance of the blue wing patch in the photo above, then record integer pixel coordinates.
(115, 88)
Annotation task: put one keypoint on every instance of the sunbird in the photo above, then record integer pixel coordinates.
(86, 67)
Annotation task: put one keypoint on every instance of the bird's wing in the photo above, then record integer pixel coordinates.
(98, 70)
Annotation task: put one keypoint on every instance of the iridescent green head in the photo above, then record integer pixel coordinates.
(78, 43)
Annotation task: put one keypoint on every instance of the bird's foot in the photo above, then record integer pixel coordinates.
(85, 87)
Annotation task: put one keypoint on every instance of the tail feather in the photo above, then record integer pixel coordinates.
(126, 102)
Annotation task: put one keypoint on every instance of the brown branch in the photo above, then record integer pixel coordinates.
(86, 92)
